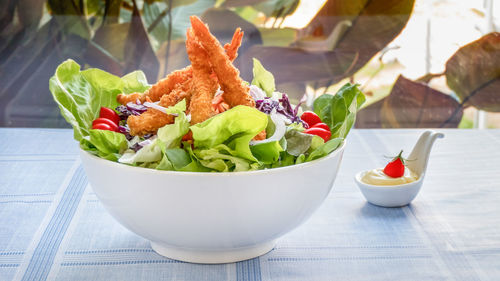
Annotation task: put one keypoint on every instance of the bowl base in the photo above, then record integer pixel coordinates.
(204, 256)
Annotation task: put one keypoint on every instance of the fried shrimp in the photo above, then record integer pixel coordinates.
(232, 48)
(167, 84)
(150, 121)
(235, 91)
(164, 86)
(205, 87)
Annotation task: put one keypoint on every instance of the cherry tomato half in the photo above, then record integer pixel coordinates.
(102, 126)
(310, 118)
(322, 126)
(105, 121)
(110, 114)
(188, 136)
(322, 133)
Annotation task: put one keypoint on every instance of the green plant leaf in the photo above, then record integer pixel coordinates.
(339, 111)
(375, 24)
(297, 143)
(263, 78)
(81, 94)
(280, 37)
(238, 3)
(180, 19)
(325, 149)
(268, 152)
(109, 144)
(71, 16)
(277, 8)
(234, 128)
(473, 73)
(113, 37)
(30, 12)
(411, 105)
(112, 11)
(139, 53)
(224, 30)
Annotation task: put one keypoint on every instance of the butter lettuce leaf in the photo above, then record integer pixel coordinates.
(234, 128)
(80, 94)
(106, 144)
(263, 78)
(324, 149)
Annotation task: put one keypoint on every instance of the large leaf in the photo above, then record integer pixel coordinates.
(112, 37)
(112, 11)
(157, 21)
(412, 105)
(139, 53)
(238, 3)
(375, 23)
(277, 8)
(224, 30)
(26, 63)
(280, 37)
(473, 73)
(71, 15)
(30, 12)
(369, 116)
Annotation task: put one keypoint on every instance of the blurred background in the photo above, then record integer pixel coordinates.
(421, 63)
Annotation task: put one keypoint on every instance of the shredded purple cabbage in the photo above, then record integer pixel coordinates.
(136, 147)
(124, 111)
(283, 107)
(124, 129)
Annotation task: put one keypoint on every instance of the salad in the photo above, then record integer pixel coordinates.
(202, 118)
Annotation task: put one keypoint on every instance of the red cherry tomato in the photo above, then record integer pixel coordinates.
(395, 168)
(102, 126)
(110, 114)
(107, 122)
(188, 136)
(322, 126)
(310, 118)
(322, 133)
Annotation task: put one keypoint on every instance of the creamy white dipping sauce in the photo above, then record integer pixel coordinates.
(378, 177)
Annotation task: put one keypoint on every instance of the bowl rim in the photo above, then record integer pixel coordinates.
(357, 178)
(219, 174)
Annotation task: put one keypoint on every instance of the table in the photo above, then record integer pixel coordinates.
(53, 227)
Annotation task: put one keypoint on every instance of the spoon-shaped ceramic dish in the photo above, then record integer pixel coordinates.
(402, 194)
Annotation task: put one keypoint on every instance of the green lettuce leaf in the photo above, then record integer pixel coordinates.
(106, 144)
(135, 82)
(221, 158)
(263, 78)
(171, 135)
(339, 111)
(297, 143)
(234, 128)
(178, 157)
(268, 152)
(148, 154)
(168, 137)
(325, 149)
(80, 94)
(165, 164)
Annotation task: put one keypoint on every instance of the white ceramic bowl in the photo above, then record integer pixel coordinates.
(390, 195)
(212, 217)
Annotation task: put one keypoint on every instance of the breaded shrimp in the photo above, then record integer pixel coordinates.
(235, 91)
(205, 87)
(167, 84)
(150, 121)
(164, 86)
(232, 48)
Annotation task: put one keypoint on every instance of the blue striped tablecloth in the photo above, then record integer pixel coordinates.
(53, 227)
